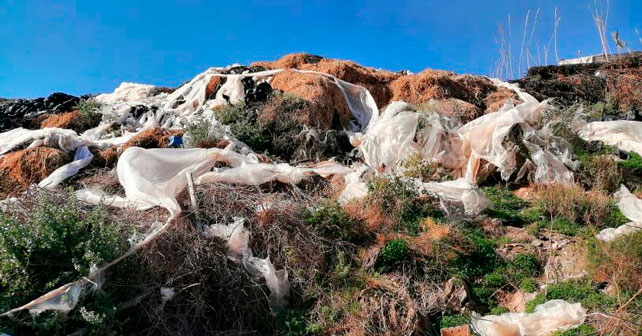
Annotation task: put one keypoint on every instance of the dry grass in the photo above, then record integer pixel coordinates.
(573, 202)
(20, 169)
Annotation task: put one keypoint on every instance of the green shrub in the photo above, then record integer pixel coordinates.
(528, 285)
(49, 246)
(391, 193)
(331, 221)
(582, 291)
(634, 163)
(393, 255)
(450, 321)
(599, 172)
(243, 123)
(620, 260)
(198, 133)
(88, 107)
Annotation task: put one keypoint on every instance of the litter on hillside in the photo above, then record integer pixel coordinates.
(554, 315)
(623, 134)
(631, 208)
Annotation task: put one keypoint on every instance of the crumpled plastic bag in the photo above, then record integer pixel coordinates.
(548, 317)
(631, 208)
(259, 173)
(458, 191)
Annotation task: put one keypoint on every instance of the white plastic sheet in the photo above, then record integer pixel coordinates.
(631, 208)
(623, 134)
(64, 139)
(548, 317)
(82, 158)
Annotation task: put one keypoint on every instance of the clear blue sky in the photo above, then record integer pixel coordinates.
(91, 46)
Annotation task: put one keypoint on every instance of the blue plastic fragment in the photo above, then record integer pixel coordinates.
(175, 141)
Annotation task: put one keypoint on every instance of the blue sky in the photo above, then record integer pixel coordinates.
(91, 46)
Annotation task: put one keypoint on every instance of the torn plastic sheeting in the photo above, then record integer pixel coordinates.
(623, 134)
(62, 299)
(631, 208)
(132, 93)
(259, 173)
(458, 191)
(554, 315)
(153, 177)
(65, 139)
(82, 158)
(235, 235)
(523, 95)
(388, 140)
(237, 239)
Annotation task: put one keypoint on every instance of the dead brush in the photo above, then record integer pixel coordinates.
(573, 203)
(212, 294)
(278, 231)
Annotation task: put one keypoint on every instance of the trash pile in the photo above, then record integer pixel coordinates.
(376, 165)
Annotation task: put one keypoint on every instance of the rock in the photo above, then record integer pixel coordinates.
(537, 243)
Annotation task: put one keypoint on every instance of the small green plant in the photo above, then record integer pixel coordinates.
(634, 163)
(583, 330)
(394, 254)
(291, 323)
(331, 221)
(582, 291)
(88, 107)
(523, 266)
(449, 321)
(199, 133)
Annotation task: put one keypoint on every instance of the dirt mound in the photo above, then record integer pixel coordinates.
(290, 61)
(71, 120)
(152, 138)
(20, 169)
(376, 81)
(455, 108)
(619, 80)
(436, 84)
(106, 158)
(386, 86)
(212, 86)
(328, 106)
